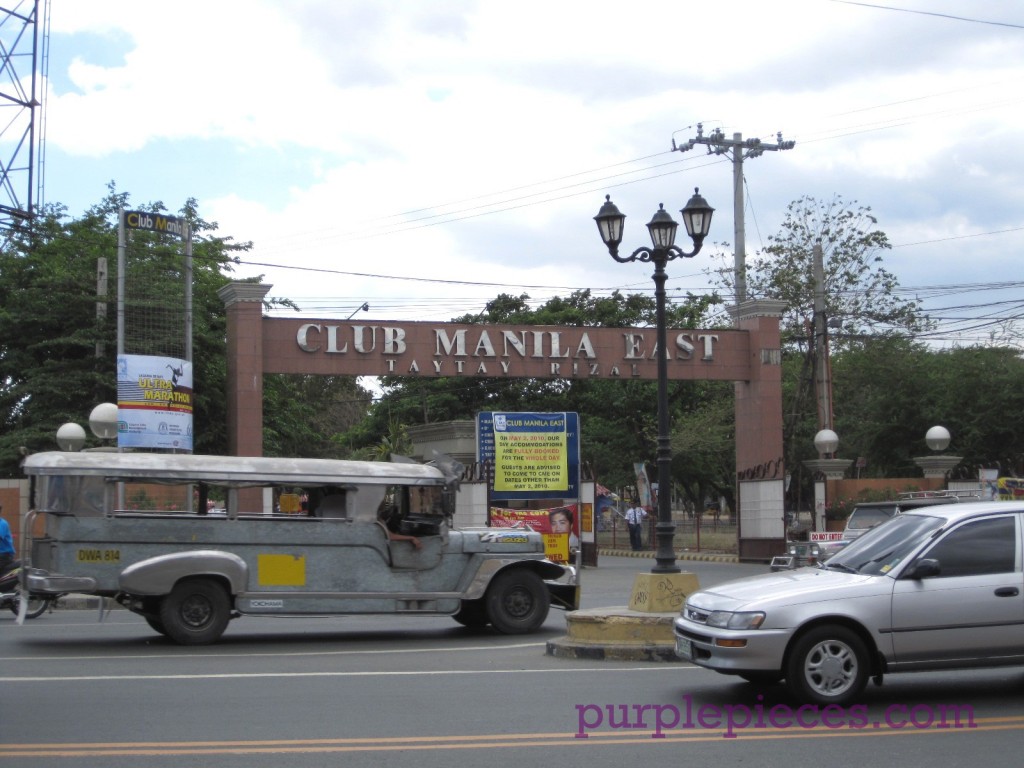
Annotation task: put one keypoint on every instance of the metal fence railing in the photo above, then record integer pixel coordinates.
(704, 533)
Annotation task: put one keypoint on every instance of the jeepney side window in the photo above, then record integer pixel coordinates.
(68, 494)
(365, 501)
(158, 498)
(333, 504)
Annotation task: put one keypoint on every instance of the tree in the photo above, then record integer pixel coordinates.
(889, 392)
(618, 418)
(308, 415)
(704, 444)
(58, 351)
(49, 332)
(57, 335)
(861, 300)
(859, 292)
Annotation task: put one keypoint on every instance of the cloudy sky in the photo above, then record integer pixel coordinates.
(423, 157)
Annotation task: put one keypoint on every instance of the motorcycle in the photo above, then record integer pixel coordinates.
(11, 597)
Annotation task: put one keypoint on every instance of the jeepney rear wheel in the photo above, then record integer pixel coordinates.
(517, 601)
(472, 613)
(156, 624)
(151, 613)
(196, 612)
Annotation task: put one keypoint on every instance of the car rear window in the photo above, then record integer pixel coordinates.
(868, 517)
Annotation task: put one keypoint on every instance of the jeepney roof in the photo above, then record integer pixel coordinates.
(230, 470)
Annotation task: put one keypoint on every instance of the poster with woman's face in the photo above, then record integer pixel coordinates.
(557, 521)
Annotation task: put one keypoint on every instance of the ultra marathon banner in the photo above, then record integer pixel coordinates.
(154, 402)
(560, 527)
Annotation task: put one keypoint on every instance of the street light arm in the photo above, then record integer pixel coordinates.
(647, 254)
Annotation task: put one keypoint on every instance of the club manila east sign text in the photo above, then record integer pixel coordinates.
(332, 347)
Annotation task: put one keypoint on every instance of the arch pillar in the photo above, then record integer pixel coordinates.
(243, 304)
(760, 469)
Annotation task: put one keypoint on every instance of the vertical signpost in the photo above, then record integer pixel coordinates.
(154, 391)
(534, 457)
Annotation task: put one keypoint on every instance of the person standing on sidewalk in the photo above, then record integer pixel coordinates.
(635, 521)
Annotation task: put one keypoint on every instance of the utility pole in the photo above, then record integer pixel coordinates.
(822, 363)
(739, 149)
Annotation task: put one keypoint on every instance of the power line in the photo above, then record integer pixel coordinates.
(737, 149)
(931, 13)
(594, 180)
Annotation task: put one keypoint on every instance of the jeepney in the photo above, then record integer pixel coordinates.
(190, 542)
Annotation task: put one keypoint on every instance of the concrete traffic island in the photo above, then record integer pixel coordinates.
(641, 631)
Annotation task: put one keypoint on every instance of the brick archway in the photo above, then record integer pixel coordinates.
(749, 355)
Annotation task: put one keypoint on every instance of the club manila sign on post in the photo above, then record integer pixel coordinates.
(156, 222)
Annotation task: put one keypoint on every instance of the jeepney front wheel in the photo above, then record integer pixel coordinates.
(517, 601)
(196, 612)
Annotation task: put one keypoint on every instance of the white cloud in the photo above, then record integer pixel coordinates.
(474, 141)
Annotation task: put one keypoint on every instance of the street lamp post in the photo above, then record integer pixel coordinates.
(662, 228)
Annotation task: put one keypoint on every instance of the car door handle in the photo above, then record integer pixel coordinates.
(1007, 592)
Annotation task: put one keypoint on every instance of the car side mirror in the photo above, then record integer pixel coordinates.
(924, 569)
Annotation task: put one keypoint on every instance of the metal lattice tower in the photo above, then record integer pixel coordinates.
(23, 63)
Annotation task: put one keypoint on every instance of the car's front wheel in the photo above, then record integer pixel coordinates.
(828, 665)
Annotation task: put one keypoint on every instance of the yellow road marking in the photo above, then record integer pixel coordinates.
(483, 741)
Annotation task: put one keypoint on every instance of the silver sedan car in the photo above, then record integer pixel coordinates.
(933, 588)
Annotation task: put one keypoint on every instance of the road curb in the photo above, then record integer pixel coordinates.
(564, 648)
(704, 557)
(616, 634)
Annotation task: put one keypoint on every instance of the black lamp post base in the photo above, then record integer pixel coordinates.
(665, 555)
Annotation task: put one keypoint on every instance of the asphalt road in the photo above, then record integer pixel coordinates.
(426, 692)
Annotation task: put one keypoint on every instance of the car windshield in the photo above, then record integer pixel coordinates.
(884, 547)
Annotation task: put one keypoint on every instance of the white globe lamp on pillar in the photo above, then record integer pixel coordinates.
(826, 467)
(826, 441)
(937, 438)
(70, 437)
(937, 465)
(103, 421)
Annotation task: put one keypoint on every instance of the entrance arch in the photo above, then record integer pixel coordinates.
(749, 355)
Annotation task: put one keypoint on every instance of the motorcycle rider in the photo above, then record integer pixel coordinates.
(6, 545)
